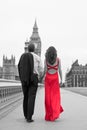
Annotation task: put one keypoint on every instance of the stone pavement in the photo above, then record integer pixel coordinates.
(74, 116)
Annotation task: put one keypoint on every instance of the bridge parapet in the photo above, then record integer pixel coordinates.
(9, 88)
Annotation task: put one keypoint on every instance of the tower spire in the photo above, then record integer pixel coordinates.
(35, 39)
(35, 25)
(35, 31)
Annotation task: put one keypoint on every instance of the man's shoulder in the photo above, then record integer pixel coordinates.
(25, 56)
(38, 57)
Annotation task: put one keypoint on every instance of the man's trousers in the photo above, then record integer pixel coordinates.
(29, 92)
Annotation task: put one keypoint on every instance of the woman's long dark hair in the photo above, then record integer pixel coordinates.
(51, 55)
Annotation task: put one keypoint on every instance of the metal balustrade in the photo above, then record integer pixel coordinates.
(11, 96)
(9, 88)
(10, 102)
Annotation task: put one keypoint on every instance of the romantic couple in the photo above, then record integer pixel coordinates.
(30, 72)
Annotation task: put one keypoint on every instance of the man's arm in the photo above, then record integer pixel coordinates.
(40, 69)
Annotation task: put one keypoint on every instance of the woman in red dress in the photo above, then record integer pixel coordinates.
(53, 106)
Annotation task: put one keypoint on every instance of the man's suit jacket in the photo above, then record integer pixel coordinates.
(25, 67)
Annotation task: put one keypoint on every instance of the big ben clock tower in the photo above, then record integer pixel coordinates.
(35, 39)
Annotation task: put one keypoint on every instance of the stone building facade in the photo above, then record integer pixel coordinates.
(1, 71)
(76, 76)
(9, 69)
(35, 38)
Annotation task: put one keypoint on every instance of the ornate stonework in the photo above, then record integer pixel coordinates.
(77, 75)
(9, 69)
(34, 39)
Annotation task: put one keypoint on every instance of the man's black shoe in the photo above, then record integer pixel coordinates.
(30, 120)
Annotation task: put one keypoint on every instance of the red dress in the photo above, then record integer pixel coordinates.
(53, 106)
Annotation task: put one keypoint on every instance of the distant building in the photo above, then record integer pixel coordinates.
(1, 71)
(9, 69)
(34, 39)
(76, 76)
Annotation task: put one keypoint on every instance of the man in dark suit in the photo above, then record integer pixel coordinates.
(25, 68)
(30, 69)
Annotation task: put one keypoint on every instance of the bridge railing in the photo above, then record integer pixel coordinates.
(9, 87)
(9, 90)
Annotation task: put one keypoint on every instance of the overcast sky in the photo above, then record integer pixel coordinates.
(61, 23)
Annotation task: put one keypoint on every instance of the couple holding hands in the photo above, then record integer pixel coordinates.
(30, 72)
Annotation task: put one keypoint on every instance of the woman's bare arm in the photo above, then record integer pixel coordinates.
(60, 71)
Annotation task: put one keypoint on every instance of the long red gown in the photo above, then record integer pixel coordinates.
(53, 106)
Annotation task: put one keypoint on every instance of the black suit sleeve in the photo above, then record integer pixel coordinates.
(25, 67)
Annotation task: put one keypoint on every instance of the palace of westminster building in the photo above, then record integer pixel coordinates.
(75, 77)
(9, 70)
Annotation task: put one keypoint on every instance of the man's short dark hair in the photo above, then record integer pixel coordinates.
(31, 47)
